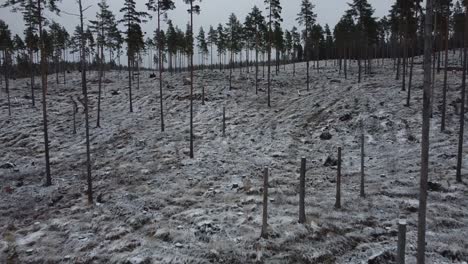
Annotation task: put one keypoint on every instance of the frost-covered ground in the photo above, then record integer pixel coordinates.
(156, 205)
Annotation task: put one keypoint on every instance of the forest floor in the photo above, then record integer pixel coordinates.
(156, 205)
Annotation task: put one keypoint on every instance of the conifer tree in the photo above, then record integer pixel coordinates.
(255, 25)
(161, 7)
(421, 242)
(35, 13)
(362, 13)
(132, 20)
(211, 40)
(296, 39)
(102, 26)
(307, 18)
(6, 47)
(221, 43)
(194, 9)
(233, 29)
(274, 19)
(202, 45)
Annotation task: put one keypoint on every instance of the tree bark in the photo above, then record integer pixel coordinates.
(44, 96)
(85, 89)
(421, 243)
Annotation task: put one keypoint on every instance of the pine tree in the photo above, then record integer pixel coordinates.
(296, 39)
(366, 25)
(274, 19)
(344, 34)
(202, 45)
(29, 10)
(59, 37)
(221, 43)
(160, 7)
(32, 44)
(234, 29)
(421, 243)
(316, 37)
(6, 47)
(278, 44)
(194, 9)
(211, 40)
(171, 39)
(446, 14)
(254, 25)
(329, 43)
(132, 20)
(102, 27)
(288, 44)
(85, 95)
(35, 13)
(307, 18)
(463, 99)
(116, 41)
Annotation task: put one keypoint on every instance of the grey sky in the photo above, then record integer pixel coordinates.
(212, 12)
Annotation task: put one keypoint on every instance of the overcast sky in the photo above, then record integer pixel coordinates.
(212, 12)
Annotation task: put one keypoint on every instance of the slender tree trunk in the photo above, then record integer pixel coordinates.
(434, 66)
(405, 62)
(191, 83)
(256, 64)
(421, 243)
(161, 106)
(306, 53)
(410, 82)
(269, 58)
(462, 108)
(398, 51)
(31, 69)
(101, 70)
(64, 65)
(85, 89)
(231, 63)
(7, 81)
(444, 91)
(44, 95)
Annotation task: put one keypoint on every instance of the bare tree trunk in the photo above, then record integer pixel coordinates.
(256, 64)
(462, 110)
(302, 215)
(264, 233)
(101, 70)
(191, 83)
(269, 58)
(421, 244)
(362, 191)
(410, 82)
(444, 91)
(338, 182)
(161, 106)
(7, 81)
(85, 89)
(405, 62)
(31, 65)
(434, 67)
(44, 95)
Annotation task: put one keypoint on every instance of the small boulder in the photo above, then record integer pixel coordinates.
(434, 186)
(330, 161)
(7, 165)
(326, 136)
